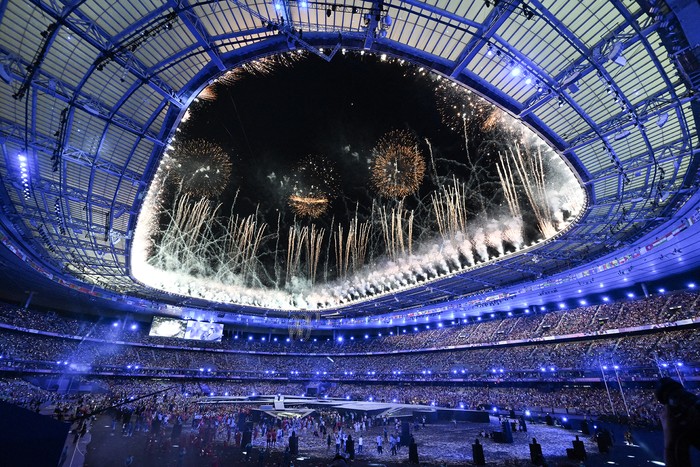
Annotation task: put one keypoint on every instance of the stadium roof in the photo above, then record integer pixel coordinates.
(92, 92)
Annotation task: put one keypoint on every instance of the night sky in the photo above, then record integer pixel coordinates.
(270, 123)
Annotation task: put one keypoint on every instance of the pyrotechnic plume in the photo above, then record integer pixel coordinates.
(530, 169)
(397, 228)
(202, 168)
(505, 174)
(208, 94)
(450, 208)
(494, 236)
(295, 242)
(513, 231)
(303, 252)
(351, 249)
(314, 187)
(478, 239)
(196, 242)
(397, 166)
(313, 251)
(238, 248)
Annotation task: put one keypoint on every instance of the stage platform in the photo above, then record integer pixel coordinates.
(284, 403)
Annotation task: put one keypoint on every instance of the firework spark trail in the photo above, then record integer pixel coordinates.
(277, 249)
(351, 250)
(397, 240)
(432, 161)
(295, 241)
(505, 174)
(450, 208)
(535, 188)
(244, 238)
(303, 253)
(314, 240)
(328, 250)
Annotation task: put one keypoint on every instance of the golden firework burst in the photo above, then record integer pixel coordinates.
(308, 206)
(202, 168)
(398, 166)
(314, 187)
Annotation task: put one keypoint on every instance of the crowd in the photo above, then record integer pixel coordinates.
(154, 386)
(144, 396)
(654, 310)
(636, 355)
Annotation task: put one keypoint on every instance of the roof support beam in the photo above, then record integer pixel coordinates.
(88, 31)
(500, 13)
(43, 144)
(194, 24)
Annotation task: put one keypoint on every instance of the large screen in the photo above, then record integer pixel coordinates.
(204, 331)
(186, 329)
(168, 327)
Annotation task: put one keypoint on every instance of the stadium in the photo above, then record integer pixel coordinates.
(379, 232)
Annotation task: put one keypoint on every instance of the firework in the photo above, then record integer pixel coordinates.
(398, 166)
(397, 229)
(308, 206)
(530, 169)
(505, 174)
(304, 243)
(202, 168)
(313, 187)
(208, 94)
(496, 117)
(351, 250)
(450, 207)
(457, 106)
(260, 67)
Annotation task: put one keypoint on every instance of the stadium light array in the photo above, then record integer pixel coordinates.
(24, 175)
